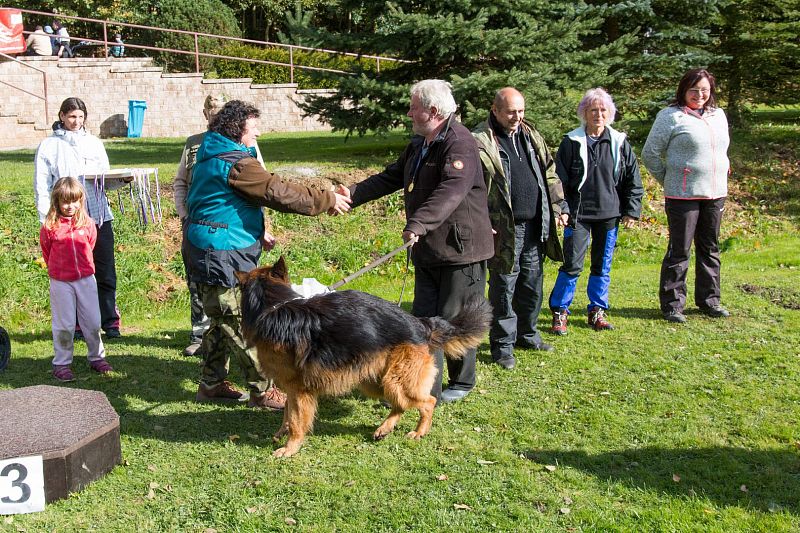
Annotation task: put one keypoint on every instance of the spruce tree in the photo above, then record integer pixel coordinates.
(477, 45)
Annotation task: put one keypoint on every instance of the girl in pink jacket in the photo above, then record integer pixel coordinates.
(67, 238)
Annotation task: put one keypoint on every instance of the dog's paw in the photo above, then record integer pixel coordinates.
(283, 452)
(379, 435)
(413, 435)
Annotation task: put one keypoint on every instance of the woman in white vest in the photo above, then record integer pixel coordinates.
(602, 187)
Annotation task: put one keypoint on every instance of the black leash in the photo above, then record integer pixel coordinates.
(377, 262)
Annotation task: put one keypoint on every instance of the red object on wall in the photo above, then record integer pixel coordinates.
(12, 41)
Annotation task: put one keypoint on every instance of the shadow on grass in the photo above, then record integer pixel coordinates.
(151, 396)
(768, 480)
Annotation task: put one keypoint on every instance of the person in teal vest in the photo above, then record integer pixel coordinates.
(225, 233)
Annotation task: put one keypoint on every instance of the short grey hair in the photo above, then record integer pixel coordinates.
(435, 93)
(598, 94)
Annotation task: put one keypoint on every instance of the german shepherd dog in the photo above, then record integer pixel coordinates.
(331, 343)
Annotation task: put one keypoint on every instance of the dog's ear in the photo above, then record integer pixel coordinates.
(279, 270)
(241, 276)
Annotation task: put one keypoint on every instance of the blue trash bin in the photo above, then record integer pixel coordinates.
(136, 117)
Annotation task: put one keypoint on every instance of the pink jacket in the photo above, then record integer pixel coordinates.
(67, 250)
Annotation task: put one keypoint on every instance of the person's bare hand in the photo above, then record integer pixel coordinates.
(343, 201)
(410, 236)
(628, 222)
(562, 220)
(268, 241)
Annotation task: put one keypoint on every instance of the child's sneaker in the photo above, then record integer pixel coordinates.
(101, 366)
(63, 373)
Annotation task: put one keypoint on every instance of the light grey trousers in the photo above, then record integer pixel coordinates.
(69, 299)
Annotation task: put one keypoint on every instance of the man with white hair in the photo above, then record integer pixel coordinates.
(446, 209)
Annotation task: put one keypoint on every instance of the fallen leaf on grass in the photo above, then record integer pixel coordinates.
(290, 521)
(743, 488)
(550, 468)
(564, 510)
(482, 391)
(251, 510)
(152, 468)
(8, 520)
(209, 530)
(349, 483)
(676, 478)
(605, 393)
(462, 507)
(484, 462)
(442, 477)
(567, 500)
(477, 430)
(233, 438)
(709, 511)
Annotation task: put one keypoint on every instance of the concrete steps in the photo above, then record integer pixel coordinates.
(174, 100)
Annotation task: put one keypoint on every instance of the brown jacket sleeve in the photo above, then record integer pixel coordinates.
(249, 179)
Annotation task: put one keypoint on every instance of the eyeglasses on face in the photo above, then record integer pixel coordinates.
(704, 92)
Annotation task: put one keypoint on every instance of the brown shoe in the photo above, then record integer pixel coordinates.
(598, 320)
(273, 399)
(224, 392)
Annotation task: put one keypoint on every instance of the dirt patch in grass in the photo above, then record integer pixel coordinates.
(786, 298)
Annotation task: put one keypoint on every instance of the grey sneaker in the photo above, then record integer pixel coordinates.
(675, 316)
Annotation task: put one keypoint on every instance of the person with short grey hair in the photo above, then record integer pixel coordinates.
(603, 188)
(445, 200)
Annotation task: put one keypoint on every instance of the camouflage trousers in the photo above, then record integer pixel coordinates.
(223, 338)
(200, 321)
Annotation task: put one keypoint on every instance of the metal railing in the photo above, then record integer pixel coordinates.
(42, 96)
(198, 54)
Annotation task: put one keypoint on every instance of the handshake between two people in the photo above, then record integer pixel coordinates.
(342, 206)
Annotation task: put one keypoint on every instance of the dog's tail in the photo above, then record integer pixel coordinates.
(464, 331)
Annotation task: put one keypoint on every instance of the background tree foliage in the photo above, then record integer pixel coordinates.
(477, 45)
(637, 49)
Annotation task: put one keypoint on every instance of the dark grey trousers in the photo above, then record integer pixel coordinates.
(698, 221)
(442, 291)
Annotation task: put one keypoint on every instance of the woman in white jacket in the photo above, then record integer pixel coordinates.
(72, 151)
(687, 152)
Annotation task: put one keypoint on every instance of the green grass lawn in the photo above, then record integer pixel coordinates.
(651, 427)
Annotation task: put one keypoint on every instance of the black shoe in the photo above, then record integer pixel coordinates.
(540, 345)
(675, 316)
(508, 362)
(452, 395)
(113, 333)
(715, 311)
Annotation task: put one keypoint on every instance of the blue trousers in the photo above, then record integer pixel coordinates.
(603, 236)
(517, 297)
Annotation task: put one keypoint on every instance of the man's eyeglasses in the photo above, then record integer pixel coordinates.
(704, 92)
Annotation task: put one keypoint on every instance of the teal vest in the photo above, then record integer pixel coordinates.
(220, 219)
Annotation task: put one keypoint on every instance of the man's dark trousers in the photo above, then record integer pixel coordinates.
(517, 297)
(442, 291)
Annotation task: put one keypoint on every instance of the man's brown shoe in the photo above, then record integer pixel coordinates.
(598, 320)
(223, 392)
(273, 399)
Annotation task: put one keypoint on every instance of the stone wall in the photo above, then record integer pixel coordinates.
(174, 101)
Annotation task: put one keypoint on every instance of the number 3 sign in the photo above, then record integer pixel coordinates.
(21, 485)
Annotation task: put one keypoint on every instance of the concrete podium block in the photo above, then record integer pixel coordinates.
(75, 431)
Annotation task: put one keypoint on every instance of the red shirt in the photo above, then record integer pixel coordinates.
(67, 250)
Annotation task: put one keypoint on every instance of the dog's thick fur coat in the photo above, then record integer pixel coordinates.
(331, 343)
